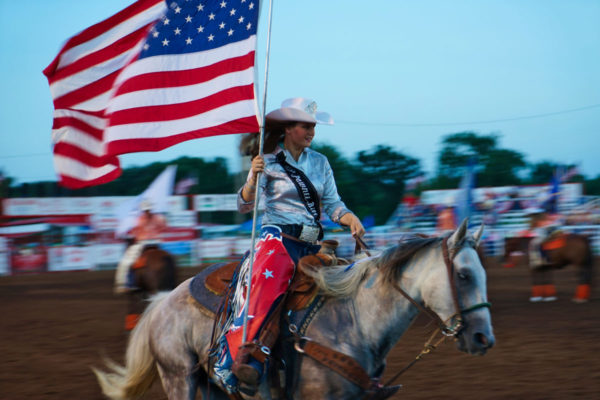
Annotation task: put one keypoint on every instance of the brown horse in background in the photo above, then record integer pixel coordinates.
(153, 272)
(559, 250)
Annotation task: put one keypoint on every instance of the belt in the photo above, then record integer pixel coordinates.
(306, 233)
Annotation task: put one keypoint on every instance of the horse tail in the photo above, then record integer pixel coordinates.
(133, 380)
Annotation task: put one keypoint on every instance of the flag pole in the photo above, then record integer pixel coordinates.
(257, 189)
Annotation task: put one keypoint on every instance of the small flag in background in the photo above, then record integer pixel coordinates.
(153, 75)
(571, 172)
(550, 204)
(184, 185)
(464, 197)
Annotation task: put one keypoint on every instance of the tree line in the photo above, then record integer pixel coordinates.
(371, 183)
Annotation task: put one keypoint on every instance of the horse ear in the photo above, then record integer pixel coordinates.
(458, 234)
(478, 235)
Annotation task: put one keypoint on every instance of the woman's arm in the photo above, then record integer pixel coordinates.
(352, 221)
(249, 189)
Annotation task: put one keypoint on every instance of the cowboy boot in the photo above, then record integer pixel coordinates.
(246, 367)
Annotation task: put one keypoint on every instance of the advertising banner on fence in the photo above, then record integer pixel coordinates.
(4, 257)
(109, 253)
(69, 258)
(76, 205)
(29, 260)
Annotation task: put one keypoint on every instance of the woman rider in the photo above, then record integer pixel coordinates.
(295, 181)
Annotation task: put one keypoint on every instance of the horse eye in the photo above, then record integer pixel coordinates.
(462, 276)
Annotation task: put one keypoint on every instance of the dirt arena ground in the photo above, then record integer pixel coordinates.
(56, 325)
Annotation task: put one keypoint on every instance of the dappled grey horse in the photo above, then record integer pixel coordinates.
(369, 305)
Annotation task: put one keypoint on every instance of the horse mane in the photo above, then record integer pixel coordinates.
(343, 280)
(392, 261)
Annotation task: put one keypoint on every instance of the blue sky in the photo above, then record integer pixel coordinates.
(402, 73)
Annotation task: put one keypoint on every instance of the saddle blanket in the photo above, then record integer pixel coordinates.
(207, 299)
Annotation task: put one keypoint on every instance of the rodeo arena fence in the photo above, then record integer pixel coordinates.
(77, 233)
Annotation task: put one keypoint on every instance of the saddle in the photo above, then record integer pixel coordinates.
(302, 301)
(209, 286)
(556, 240)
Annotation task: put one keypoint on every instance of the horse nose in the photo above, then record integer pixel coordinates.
(484, 341)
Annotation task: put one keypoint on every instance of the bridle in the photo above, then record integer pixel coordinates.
(352, 371)
(457, 326)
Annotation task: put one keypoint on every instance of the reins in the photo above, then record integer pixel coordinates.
(447, 331)
(349, 368)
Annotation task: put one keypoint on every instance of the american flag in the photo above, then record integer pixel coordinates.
(153, 75)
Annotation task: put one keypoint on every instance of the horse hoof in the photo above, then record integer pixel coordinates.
(535, 299)
(550, 298)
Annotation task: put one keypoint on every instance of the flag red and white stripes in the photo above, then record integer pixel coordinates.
(149, 77)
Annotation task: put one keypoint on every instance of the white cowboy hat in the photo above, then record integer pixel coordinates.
(146, 205)
(301, 110)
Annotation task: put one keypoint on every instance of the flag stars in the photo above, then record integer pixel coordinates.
(188, 19)
(166, 21)
(155, 34)
(230, 32)
(223, 4)
(177, 10)
(200, 7)
(222, 25)
(248, 26)
(268, 274)
(232, 12)
(241, 19)
(146, 46)
(211, 16)
(251, 6)
(188, 40)
(177, 31)
(211, 37)
(165, 42)
(200, 29)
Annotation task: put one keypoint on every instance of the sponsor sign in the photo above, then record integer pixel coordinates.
(216, 248)
(4, 263)
(109, 253)
(186, 218)
(29, 260)
(569, 193)
(178, 234)
(3, 243)
(104, 222)
(215, 202)
(76, 205)
(69, 258)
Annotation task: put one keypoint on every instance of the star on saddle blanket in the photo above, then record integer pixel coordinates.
(272, 272)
